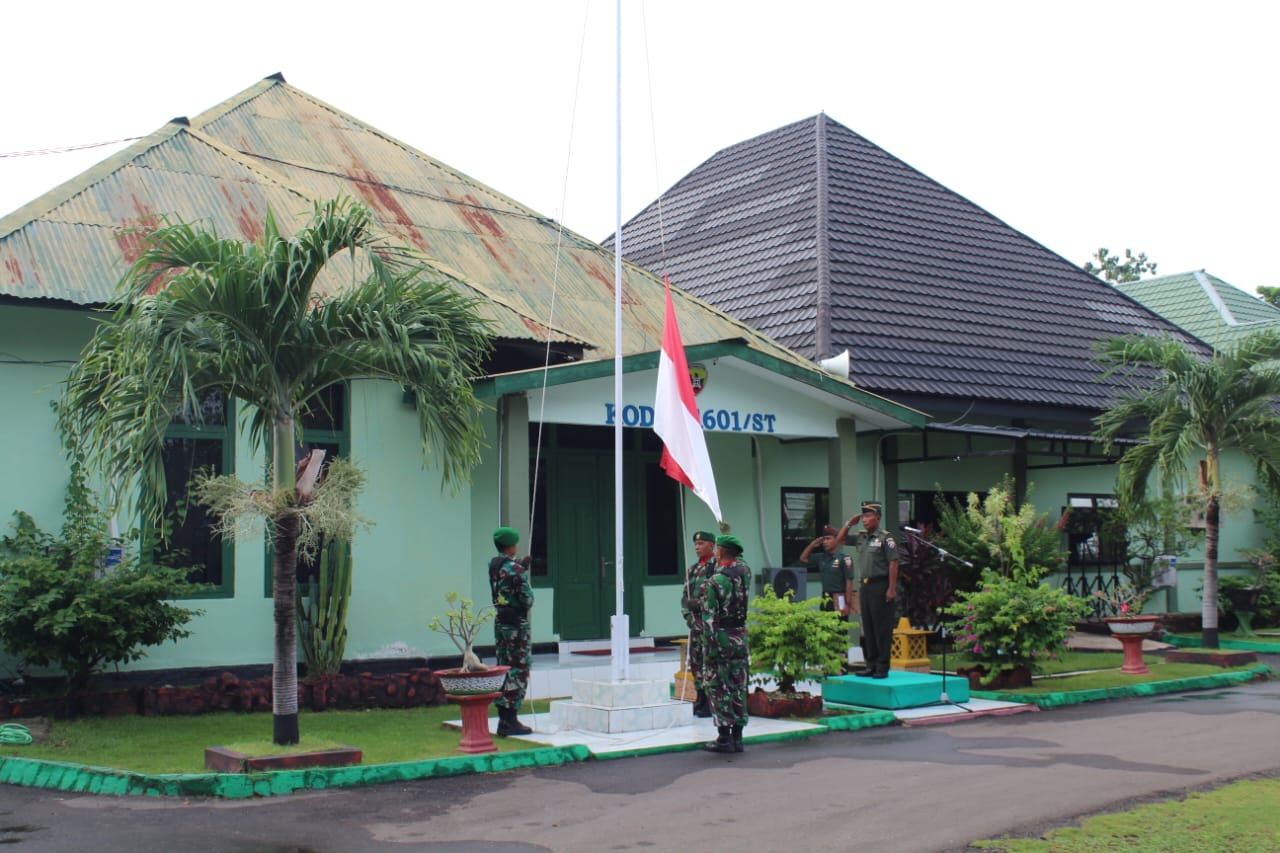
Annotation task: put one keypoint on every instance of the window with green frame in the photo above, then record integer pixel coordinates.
(191, 443)
(324, 427)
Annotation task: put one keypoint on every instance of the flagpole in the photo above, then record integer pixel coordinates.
(619, 628)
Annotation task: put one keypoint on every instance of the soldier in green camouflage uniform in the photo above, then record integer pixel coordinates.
(724, 617)
(512, 599)
(695, 582)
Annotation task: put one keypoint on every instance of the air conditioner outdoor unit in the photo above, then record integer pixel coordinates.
(781, 580)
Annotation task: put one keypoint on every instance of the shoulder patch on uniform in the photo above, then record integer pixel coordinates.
(889, 541)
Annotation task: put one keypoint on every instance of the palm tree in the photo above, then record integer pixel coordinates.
(197, 313)
(1192, 407)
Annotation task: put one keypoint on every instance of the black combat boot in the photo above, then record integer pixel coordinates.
(509, 724)
(736, 733)
(724, 743)
(702, 705)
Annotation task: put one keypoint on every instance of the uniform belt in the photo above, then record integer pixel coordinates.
(876, 579)
(729, 623)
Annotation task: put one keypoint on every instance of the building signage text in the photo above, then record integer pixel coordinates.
(721, 420)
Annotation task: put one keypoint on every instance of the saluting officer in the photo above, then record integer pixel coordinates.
(876, 564)
(823, 555)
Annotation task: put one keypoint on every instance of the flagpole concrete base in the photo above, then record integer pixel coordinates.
(614, 707)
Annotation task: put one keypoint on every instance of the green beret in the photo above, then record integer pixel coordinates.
(872, 506)
(704, 536)
(505, 537)
(731, 542)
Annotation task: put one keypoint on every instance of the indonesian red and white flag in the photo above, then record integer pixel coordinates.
(675, 418)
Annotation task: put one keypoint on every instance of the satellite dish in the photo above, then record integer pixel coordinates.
(837, 365)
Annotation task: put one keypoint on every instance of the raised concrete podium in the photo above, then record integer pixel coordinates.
(901, 689)
(619, 706)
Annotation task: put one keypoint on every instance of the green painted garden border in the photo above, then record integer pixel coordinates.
(865, 720)
(1149, 688)
(61, 776)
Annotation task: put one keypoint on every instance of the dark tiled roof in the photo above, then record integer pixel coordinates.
(933, 296)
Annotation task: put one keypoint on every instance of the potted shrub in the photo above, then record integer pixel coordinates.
(1244, 596)
(1013, 621)
(792, 641)
(1129, 625)
(1010, 625)
(472, 685)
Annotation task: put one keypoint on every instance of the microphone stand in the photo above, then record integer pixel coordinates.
(943, 699)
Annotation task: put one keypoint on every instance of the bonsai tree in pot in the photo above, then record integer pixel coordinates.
(461, 623)
(792, 641)
(472, 685)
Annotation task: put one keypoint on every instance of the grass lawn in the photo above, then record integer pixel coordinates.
(1068, 661)
(1094, 670)
(176, 744)
(1240, 817)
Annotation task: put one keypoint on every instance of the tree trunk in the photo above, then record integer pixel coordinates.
(1209, 607)
(284, 665)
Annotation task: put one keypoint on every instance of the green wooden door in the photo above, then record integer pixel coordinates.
(580, 546)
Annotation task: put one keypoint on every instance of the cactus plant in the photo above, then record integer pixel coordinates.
(322, 611)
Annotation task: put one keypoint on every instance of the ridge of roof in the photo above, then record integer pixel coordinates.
(1215, 298)
(277, 80)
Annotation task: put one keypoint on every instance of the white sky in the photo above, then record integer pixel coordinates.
(1149, 125)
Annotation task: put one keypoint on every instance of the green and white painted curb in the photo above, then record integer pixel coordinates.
(1146, 688)
(60, 776)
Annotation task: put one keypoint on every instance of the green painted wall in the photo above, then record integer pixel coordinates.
(37, 346)
(427, 540)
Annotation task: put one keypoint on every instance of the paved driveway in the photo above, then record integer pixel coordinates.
(894, 789)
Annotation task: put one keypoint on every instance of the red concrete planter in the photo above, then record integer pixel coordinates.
(1006, 679)
(1131, 631)
(1223, 658)
(222, 760)
(761, 704)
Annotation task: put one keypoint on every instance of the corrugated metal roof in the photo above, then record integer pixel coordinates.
(275, 147)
